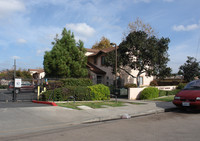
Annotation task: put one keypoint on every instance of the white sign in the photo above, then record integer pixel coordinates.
(18, 82)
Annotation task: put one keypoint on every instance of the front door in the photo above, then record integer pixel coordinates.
(99, 79)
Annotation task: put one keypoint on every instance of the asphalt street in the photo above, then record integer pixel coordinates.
(170, 126)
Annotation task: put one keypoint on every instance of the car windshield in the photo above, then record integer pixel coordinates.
(193, 85)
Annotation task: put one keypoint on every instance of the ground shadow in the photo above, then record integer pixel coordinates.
(170, 107)
(21, 104)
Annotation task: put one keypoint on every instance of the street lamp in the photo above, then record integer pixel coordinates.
(115, 64)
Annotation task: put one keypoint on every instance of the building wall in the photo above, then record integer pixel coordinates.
(129, 79)
(110, 77)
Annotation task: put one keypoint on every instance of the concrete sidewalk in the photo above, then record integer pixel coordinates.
(22, 118)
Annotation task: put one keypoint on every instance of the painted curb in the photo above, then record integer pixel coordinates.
(44, 102)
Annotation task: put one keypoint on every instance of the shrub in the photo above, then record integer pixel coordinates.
(173, 92)
(99, 92)
(80, 92)
(180, 86)
(3, 86)
(149, 93)
(130, 85)
(76, 82)
(62, 94)
(154, 83)
(162, 93)
(52, 84)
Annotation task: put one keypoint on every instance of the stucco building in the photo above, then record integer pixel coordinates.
(99, 73)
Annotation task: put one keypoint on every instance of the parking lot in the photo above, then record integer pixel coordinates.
(7, 96)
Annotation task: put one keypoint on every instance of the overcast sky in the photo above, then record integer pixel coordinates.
(27, 27)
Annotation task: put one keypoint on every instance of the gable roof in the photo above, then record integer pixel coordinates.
(95, 69)
(98, 51)
(36, 70)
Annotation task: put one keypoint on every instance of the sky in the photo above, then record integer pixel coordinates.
(27, 27)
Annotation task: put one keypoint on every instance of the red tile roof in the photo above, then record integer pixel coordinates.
(97, 51)
(37, 70)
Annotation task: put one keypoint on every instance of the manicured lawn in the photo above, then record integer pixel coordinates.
(93, 105)
(166, 99)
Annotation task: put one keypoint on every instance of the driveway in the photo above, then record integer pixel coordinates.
(27, 117)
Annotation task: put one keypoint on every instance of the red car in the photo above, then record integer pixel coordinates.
(26, 86)
(189, 97)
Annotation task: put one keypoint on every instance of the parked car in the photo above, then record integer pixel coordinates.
(189, 97)
(26, 86)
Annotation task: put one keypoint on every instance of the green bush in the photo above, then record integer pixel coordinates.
(162, 93)
(99, 92)
(76, 82)
(62, 94)
(130, 85)
(149, 93)
(52, 84)
(180, 86)
(3, 86)
(173, 92)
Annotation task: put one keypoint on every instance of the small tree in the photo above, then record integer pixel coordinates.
(104, 43)
(67, 58)
(139, 25)
(190, 69)
(9, 74)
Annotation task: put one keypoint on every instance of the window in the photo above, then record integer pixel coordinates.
(102, 60)
(95, 60)
(141, 80)
(99, 79)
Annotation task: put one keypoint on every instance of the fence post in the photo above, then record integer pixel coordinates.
(38, 94)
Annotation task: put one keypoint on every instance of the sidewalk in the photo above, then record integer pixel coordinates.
(20, 118)
(132, 110)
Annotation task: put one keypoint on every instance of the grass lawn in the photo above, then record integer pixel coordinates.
(93, 105)
(166, 99)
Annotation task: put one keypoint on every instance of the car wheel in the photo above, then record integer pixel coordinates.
(17, 91)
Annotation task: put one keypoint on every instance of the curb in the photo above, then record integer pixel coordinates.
(44, 102)
(134, 115)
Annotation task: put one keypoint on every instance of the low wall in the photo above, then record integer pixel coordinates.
(166, 88)
(133, 93)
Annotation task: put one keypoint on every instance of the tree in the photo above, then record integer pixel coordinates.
(9, 74)
(139, 25)
(104, 43)
(142, 53)
(190, 69)
(67, 58)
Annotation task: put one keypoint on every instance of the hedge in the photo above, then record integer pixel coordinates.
(3, 86)
(80, 93)
(149, 93)
(76, 82)
(62, 94)
(130, 85)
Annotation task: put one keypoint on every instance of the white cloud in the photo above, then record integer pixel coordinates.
(10, 6)
(168, 0)
(82, 30)
(145, 1)
(186, 28)
(21, 41)
(40, 52)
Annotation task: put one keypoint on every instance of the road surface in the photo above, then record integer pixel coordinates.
(171, 126)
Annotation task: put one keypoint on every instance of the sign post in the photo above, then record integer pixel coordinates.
(18, 82)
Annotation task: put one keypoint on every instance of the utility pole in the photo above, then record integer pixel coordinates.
(14, 76)
(115, 65)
